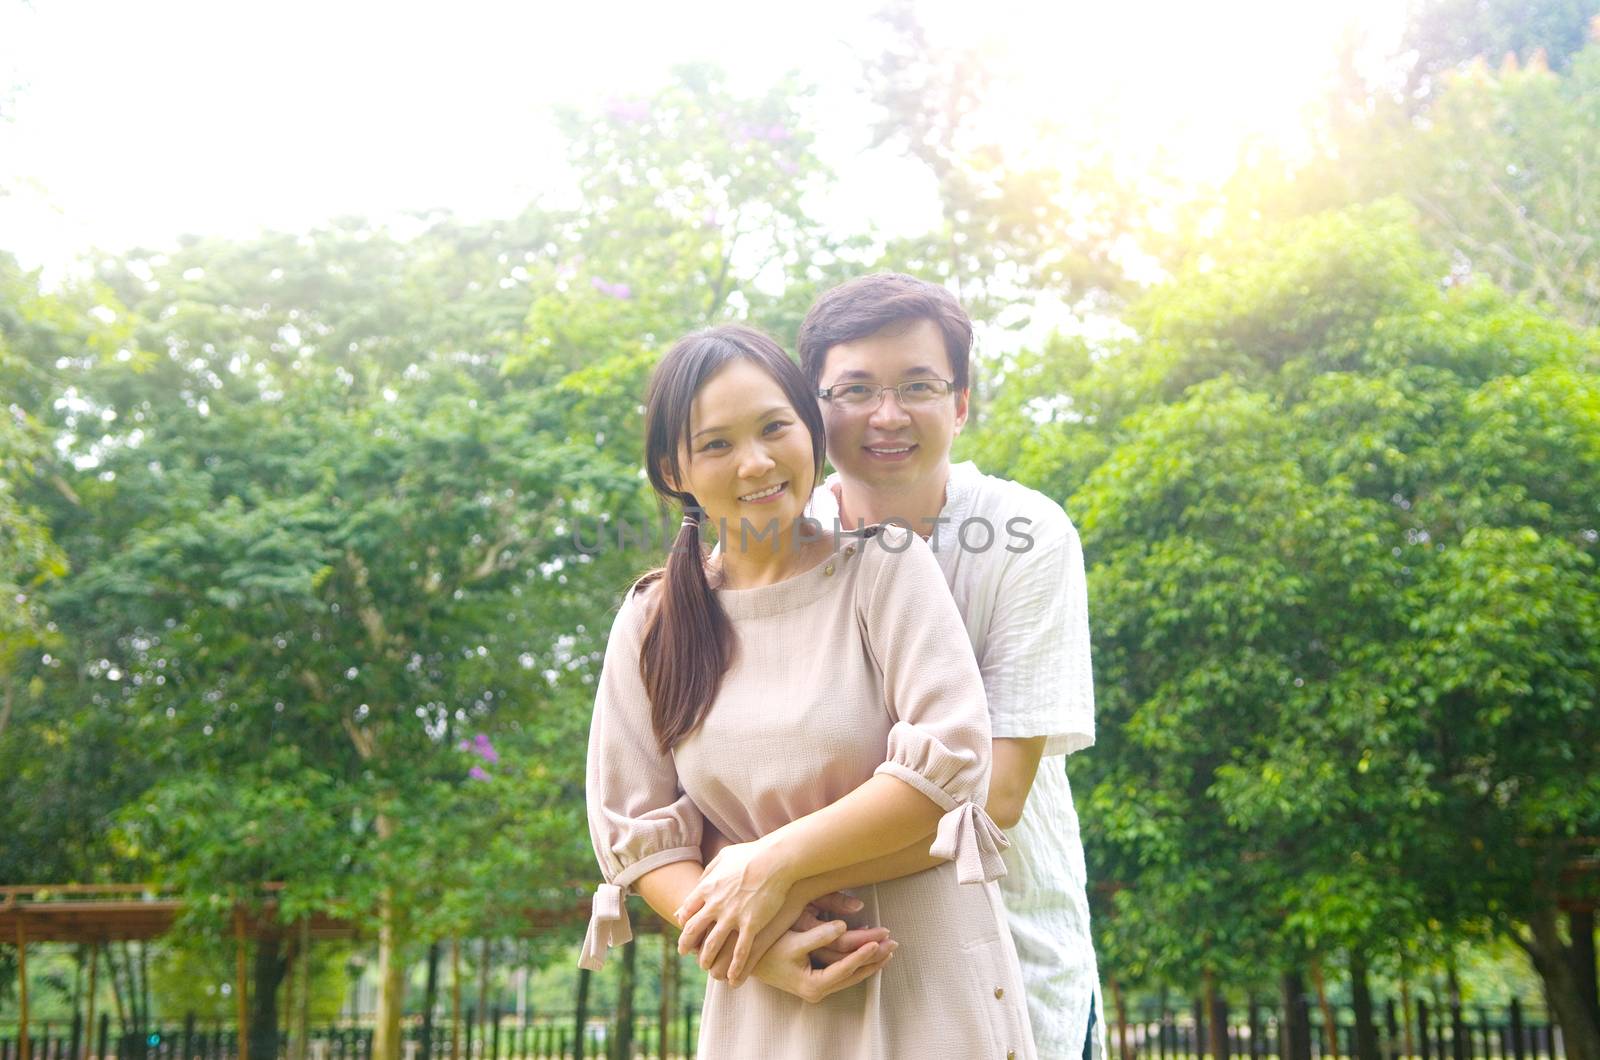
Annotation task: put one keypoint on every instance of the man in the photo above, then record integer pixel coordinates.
(889, 356)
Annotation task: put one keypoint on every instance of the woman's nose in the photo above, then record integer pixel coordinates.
(756, 462)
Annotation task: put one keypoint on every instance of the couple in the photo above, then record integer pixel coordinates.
(803, 713)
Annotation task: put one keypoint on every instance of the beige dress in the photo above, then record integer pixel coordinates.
(858, 666)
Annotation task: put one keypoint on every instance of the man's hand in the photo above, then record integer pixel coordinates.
(796, 916)
(787, 964)
(837, 903)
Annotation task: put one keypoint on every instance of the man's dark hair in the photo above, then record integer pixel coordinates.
(870, 304)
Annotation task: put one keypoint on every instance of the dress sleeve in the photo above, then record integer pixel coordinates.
(939, 742)
(639, 818)
(1035, 661)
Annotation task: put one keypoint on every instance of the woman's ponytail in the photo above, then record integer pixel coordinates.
(688, 642)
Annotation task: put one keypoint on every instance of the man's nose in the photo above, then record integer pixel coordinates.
(889, 413)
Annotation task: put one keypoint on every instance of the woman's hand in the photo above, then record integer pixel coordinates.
(739, 895)
(787, 964)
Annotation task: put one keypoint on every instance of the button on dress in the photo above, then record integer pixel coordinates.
(857, 666)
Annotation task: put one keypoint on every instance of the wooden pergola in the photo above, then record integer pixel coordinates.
(96, 913)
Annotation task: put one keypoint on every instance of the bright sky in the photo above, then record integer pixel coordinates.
(134, 122)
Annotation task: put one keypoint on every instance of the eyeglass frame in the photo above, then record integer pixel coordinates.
(826, 393)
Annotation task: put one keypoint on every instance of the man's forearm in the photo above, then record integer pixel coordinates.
(907, 861)
(1015, 763)
(846, 832)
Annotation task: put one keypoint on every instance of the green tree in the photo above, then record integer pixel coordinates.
(1339, 520)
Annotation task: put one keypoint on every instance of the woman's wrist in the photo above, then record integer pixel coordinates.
(773, 863)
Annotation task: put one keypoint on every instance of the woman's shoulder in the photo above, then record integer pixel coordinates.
(891, 550)
(638, 604)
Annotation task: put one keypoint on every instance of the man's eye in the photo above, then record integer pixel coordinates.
(857, 390)
(918, 387)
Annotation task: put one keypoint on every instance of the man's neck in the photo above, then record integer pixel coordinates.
(917, 506)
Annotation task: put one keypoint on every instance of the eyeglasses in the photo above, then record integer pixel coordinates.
(913, 393)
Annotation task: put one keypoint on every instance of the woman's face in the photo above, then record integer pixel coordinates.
(749, 460)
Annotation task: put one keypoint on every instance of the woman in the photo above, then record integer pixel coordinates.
(818, 702)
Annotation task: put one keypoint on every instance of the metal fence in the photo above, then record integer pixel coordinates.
(549, 1037)
(1455, 1033)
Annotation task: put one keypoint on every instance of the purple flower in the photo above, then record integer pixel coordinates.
(628, 110)
(614, 290)
(777, 134)
(462, 746)
(485, 749)
(477, 773)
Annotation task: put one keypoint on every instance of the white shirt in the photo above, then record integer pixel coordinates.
(1015, 567)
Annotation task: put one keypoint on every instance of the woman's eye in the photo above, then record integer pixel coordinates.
(777, 425)
(712, 444)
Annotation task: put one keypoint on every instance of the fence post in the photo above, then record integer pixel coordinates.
(494, 1033)
(1516, 1030)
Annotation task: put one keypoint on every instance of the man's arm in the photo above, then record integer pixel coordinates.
(1015, 764)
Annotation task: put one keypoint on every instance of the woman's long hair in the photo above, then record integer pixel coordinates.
(688, 641)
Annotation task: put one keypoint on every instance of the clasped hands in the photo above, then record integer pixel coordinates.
(746, 916)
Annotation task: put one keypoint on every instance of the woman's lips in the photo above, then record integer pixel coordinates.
(782, 488)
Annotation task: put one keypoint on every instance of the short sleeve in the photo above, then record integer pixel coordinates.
(639, 817)
(939, 741)
(1035, 658)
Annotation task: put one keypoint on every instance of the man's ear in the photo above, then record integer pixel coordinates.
(962, 401)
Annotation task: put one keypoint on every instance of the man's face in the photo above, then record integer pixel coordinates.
(887, 445)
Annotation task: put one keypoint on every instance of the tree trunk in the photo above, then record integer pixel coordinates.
(1296, 1027)
(391, 964)
(483, 991)
(1580, 927)
(302, 1009)
(622, 1038)
(1330, 1026)
(430, 998)
(1553, 961)
(455, 999)
(144, 982)
(116, 987)
(1119, 1003)
(669, 990)
(1216, 1018)
(268, 973)
(1361, 1000)
(1409, 1044)
(581, 1013)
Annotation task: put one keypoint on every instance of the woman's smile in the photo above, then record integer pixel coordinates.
(765, 496)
